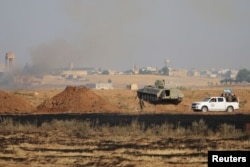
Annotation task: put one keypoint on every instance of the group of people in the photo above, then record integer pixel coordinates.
(229, 95)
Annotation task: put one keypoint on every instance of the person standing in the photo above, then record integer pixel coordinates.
(141, 102)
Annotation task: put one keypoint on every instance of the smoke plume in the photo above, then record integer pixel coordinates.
(104, 38)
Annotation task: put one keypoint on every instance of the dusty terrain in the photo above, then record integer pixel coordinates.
(119, 100)
(75, 126)
(10, 103)
(76, 100)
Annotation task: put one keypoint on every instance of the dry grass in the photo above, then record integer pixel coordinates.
(134, 129)
(84, 143)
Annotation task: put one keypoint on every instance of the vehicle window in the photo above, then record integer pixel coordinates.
(213, 100)
(167, 92)
(206, 99)
(220, 99)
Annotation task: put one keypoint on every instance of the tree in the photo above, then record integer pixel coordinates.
(144, 71)
(243, 75)
(228, 74)
(105, 72)
(164, 71)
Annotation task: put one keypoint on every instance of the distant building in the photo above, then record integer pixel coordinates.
(152, 69)
(100, 85)
(234, 73)
(132, 86)
(193, 73)
(112, 72)
(148, 70)
(213, 75)
(73, 73)
(178, 73)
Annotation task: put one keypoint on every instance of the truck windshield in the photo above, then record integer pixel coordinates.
(206, 99)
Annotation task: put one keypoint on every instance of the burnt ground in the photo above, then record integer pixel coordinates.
(113, 119)
(57, 146)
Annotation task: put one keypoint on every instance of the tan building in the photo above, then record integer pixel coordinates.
(74, 73)
(194, 73)
(112, 72)
(132, 86)
(178, 73)
(100, 86)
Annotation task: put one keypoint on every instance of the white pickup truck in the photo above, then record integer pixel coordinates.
(215, 104)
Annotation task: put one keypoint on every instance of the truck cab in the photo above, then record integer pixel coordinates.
(215, 104)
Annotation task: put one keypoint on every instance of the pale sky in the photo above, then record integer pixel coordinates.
(115, 34)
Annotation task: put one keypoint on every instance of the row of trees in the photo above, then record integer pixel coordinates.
(243, 76)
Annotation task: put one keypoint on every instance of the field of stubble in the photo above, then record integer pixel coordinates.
(118, 139)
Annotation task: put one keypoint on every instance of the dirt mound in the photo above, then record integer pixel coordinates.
(76, 99)
(10, 103)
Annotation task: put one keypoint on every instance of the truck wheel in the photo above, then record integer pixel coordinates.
(230, 109)
(204, 109)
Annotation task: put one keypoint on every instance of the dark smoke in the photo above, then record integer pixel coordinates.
(56, 54)
(103, 40)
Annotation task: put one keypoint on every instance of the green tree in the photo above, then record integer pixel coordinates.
(164, 71)
(243, 75)
(105, 72)
(144, 71)
(228, 74)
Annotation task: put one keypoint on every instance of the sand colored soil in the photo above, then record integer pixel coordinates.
(10, 103)
(81, 99)
(76, 99)
(126, 99)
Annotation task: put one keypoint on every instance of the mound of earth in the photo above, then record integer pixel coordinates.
(10, 103)
(76, 99)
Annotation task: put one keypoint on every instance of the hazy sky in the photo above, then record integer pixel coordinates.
(115, 34)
